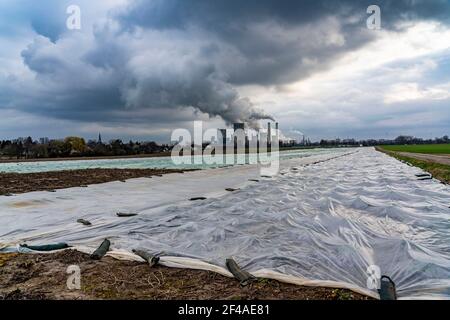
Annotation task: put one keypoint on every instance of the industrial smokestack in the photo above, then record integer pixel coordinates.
(277, 133)
(269, 134)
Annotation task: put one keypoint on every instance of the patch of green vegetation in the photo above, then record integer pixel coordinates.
(263, 281)
(421, 148)
(340, 294)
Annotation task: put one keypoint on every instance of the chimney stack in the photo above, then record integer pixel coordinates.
(276, 130)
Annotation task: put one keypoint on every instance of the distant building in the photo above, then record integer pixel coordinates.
(99, 138)
(44, 140)
(222, 134)
(239, 131)
(349, 141)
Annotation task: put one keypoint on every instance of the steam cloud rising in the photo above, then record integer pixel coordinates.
(153, 60)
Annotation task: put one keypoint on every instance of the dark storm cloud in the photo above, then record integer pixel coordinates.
(223, 14)
(273, 42)
(278, 39)
(191, 55)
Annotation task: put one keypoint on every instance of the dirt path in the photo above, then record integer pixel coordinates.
(442, 159)
(43, 276)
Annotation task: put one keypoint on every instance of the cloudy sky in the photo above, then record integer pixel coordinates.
(141, 68)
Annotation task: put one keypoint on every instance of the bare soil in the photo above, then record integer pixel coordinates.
(43, 276)
(11, 183)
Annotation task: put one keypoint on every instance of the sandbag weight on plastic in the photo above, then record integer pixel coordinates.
(102, 250)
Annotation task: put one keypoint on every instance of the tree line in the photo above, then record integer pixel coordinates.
(27, 148)
(400, 140)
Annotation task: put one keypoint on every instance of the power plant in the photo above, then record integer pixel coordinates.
(242, 137)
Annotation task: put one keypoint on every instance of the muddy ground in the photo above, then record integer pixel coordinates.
(43, 276)
(12, 183)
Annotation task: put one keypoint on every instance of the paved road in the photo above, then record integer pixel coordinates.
(441, 158)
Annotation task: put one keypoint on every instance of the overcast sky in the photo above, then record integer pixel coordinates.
(141, 68)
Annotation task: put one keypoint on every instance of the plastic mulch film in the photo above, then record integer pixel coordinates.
(323, 224)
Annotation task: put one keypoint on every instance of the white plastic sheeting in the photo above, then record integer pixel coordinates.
(190, 162)
(319, 224)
